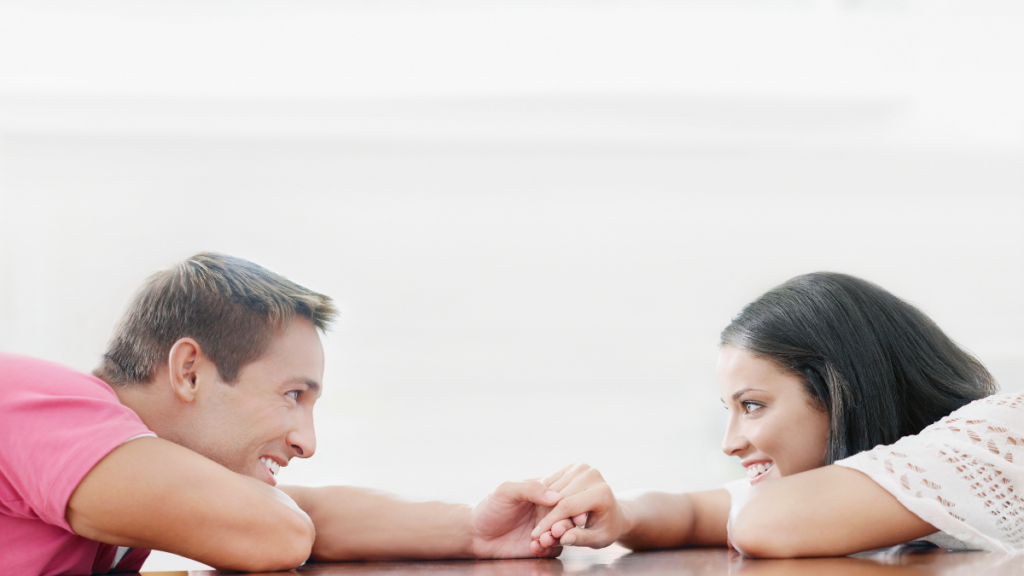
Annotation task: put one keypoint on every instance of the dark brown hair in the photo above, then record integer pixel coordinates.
(879, 367)
(230, 306)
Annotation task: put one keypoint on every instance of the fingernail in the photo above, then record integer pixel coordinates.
(552, 495)
(567, 539)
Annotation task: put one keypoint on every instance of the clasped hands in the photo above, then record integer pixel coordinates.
(572, 507)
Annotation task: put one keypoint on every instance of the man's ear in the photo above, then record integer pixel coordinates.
(183, 361)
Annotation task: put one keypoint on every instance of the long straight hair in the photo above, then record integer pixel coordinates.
(879, 367)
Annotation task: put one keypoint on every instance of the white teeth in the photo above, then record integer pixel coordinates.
(274, 467)
(758, 469)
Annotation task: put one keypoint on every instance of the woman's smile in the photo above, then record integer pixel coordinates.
(775, 428)
(758, 470)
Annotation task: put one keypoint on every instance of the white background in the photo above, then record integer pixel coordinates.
(536, 217)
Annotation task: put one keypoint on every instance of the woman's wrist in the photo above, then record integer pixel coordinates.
(627, 512)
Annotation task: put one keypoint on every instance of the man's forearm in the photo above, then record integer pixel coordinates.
(361, 524)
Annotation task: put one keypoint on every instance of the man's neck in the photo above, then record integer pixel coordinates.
(149, 400)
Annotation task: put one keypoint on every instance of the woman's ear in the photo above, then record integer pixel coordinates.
(182, 361)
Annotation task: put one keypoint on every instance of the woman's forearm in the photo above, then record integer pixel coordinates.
(660, 520)
(829, 511)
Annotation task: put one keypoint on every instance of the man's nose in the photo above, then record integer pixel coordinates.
(302, 438)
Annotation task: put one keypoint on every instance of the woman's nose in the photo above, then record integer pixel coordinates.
(734, 443)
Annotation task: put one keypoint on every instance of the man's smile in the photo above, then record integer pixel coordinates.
(272, 466)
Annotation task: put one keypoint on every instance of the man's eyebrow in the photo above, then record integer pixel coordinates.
(313, 385)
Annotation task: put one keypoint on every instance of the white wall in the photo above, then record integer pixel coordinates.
(536, 216)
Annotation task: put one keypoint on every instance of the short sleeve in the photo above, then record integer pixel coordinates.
(740, 492)
(55, 425)
(963, 474)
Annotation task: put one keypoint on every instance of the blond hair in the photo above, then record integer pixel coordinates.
(230, 306)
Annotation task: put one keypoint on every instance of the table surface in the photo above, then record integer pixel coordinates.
(616, 561)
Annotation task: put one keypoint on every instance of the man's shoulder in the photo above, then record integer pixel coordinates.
(25, 375)
(21, 363)
(65, 421)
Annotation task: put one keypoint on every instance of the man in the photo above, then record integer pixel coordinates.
(206, 391)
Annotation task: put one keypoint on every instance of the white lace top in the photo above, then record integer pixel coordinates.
(963, 474)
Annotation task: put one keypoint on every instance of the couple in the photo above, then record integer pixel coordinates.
(860, 424)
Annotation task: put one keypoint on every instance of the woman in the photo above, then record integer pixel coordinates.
(860, 424)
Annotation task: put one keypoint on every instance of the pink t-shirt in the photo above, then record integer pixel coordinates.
(55, 425)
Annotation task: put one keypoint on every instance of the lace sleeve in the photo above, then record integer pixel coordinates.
(963, 474)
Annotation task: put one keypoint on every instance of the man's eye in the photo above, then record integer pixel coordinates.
(295, 394)
(751, 407)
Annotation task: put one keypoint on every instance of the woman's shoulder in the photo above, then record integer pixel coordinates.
(961, 474)
(992, 427)
(999, 414)
(1012, 401)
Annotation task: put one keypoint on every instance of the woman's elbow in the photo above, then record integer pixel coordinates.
(758, 536)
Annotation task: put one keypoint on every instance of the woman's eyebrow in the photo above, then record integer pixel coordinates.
(744, 391)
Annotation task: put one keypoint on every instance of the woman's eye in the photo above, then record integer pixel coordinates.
(751, 407)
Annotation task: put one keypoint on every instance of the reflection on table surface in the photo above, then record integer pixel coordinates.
(616, 561)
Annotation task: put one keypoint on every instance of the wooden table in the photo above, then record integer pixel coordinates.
(616, 561)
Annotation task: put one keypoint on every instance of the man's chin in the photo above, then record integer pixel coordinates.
(257, 472)
(264, 475)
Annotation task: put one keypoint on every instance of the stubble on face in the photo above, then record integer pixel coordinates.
(267, 411)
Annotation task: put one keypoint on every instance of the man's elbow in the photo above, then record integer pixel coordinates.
(286, 546)
(300, 546)
(297, 545)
